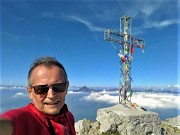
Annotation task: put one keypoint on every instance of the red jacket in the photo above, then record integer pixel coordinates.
(30, 121)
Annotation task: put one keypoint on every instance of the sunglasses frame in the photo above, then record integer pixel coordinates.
(43, 89)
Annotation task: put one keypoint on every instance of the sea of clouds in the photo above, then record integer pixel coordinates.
(144, 99)
(165, 103)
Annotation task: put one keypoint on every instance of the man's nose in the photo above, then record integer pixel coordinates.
(50, 93)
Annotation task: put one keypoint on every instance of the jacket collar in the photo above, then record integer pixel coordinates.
(43, 116)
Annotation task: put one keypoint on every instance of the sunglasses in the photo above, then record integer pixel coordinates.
(43, 89)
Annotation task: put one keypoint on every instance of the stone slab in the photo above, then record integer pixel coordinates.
(125, 110)
(124, 120)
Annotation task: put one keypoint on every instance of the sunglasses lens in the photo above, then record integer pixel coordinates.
(59, 87)
(41, 89)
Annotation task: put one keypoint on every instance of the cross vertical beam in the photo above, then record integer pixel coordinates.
(125, 51)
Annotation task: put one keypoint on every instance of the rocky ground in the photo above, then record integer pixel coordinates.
(110, 122)
(171, 126)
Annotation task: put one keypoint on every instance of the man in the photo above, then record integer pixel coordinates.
(47, 114)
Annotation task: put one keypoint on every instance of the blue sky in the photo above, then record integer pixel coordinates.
(73, 32)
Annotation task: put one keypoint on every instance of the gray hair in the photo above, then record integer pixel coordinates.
(48, 62)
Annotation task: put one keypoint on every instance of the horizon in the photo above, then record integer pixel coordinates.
(162, 88)
(73, 32)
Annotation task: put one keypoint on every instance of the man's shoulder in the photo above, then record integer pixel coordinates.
(25, 115)
(25, 120)
(17, 113)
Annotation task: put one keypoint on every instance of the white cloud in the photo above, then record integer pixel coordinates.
(149, 7)
(17, 38)
(162, 24)
(72, 92)
(146, 100)
(91, 26)
(111, 11)
(143, 8)
(19, 94)
(154, 100)
(101, 97)
(136, 30)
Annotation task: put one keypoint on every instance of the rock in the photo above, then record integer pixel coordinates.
(82, 127)
(171, 126)
(175, 122)
(128, 121)
(94, 128)
(121, 120)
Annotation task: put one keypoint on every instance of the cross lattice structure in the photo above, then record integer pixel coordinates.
(125, 49)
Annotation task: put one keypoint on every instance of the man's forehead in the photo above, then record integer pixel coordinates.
(42, 71)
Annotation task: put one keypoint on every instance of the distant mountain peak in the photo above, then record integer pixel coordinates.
(84, 88)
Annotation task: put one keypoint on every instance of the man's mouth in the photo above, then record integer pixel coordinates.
(52, 103)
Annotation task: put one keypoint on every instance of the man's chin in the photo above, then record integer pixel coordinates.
(52, 112)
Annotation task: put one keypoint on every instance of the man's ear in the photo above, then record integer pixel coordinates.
(29, 91)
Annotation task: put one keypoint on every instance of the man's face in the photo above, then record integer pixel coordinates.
(51, 102)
